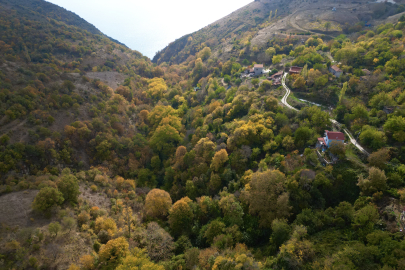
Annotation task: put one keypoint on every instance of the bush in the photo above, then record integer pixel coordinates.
(47, 198)
(93, 188)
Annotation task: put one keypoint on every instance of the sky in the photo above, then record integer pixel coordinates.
(149, 26)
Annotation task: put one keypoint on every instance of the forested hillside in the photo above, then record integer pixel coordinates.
(109, 161)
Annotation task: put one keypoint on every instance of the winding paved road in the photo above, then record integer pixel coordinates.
(284, 101)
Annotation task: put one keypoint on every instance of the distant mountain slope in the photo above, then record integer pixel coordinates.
(248, 31)
(31, 9)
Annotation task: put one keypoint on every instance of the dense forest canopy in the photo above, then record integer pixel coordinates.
(121, 163)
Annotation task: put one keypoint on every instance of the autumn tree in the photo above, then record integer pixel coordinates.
(205, 149)
(87, 262)
(157, 203)
(277, 58)
(219, 159)
(129, 220)
(106, 224)
(379, 158)
(376, 181)
(46, 198)
(267, 197)
(304, 71)
(288, 143)
(271, 104)
(270, 52)
(156, 88)
(181, 216)
(343, 91)
(232, 210)
(164, 140)
(160, 244)
(204, 54)
(138, 259)
(114, 251)
(299, 82)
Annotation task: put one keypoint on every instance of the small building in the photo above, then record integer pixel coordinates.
(321, 144)
(277, 75)
(295, 70)
(335, 70)
(332, 137)
(196, 89)
(276, 78)
(258, 69)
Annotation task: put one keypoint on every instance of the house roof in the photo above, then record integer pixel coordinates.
(322, 141)
(280, 73)
(336, 68)
(258, 66)
(335, 135)
(295, 69)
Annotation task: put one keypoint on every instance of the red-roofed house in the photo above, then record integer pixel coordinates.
(332, 137)
(295, 70)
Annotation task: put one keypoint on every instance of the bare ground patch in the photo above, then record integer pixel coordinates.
(111, 78)
(94, 198)
(15, 209)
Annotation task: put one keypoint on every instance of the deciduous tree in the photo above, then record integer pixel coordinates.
(219, 159)
(181, 216)
(158, 203)
(267, 196)
(47, 198)
(114, 251)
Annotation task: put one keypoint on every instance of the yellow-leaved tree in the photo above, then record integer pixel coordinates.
(181, 216)
(114, 252)
(156, 88)
(219, 159)
(267, 196)
(157, 203)
(139, 259)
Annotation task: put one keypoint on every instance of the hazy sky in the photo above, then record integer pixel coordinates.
(149, 26)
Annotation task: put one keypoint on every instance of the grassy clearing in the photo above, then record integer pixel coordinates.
(352, 157)
(320, 25)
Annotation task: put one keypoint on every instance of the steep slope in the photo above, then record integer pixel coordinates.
(248, 30)
(53, 74)
(33, 8)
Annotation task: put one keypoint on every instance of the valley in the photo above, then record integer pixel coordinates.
(273, 138)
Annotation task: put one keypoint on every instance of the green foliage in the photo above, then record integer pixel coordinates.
(46, 198)
(69, 187)
(54, 228)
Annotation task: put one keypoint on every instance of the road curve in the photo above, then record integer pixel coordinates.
(284, 101)
(287, 93)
